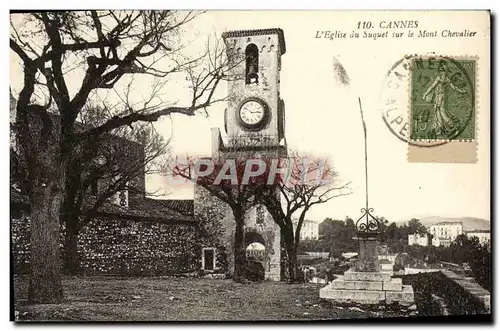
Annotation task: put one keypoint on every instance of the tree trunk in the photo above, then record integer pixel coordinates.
(45, 269)
(239, 246)
(293, 265)
(291, 252)
(71, 262)
(70, 212)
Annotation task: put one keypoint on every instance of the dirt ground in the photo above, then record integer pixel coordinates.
(180, 299)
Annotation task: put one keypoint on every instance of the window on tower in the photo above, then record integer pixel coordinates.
(252, 64)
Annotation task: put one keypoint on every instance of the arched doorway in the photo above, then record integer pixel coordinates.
(255, 256)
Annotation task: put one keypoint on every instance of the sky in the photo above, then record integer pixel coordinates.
(323, 118)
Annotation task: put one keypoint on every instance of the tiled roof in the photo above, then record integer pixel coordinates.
(143, 214)
(147, 210)
(258, 32)
(140, 210)
(447, 223)
(183, 206)
(478, 231)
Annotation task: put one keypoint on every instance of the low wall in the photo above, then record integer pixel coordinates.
(469, 285)
(411, 271)
(137, 248)
(460, 295)
(123, 247)
(323, 255)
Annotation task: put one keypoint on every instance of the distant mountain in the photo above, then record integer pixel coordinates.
(469, 223)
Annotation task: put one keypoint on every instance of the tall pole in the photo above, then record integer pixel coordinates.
(366, 153)
(368, 241)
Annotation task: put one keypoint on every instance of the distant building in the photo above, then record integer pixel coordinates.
(418, 239)
(309, 230)
(445, 232)
(482, 235)
(441, 242)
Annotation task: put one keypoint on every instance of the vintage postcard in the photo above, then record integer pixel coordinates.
(250, 165)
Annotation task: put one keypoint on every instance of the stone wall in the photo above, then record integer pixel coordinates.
(216, 228)
(137, 248)
(471, 291)
(217, 224)
(460, 295)
(123, 247)
(20, 243)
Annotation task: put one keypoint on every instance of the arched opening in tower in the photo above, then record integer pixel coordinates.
(255, 256)
(252, 64)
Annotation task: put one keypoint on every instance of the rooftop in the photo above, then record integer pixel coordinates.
(258, 32)
(183, 206)
(478, 231)
(144, 209)
(447, 223)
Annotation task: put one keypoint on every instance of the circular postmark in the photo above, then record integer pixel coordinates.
(429, 100)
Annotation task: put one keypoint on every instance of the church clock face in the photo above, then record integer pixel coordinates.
(253, 113)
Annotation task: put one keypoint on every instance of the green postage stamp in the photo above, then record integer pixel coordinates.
(442, 105)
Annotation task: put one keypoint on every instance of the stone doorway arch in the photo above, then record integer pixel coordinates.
(256, 253)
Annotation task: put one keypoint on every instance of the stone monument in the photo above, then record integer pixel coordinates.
(365, 283)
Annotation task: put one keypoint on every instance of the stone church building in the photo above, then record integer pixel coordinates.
(164, 237)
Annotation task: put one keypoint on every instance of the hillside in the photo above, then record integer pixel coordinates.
(469, 223)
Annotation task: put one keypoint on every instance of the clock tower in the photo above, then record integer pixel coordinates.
(255, 114)
(254, 123)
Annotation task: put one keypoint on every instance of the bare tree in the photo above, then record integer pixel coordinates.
(116, 162)
(307, 182)
(105, 48)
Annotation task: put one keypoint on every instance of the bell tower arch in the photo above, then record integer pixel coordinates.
(251, 64)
